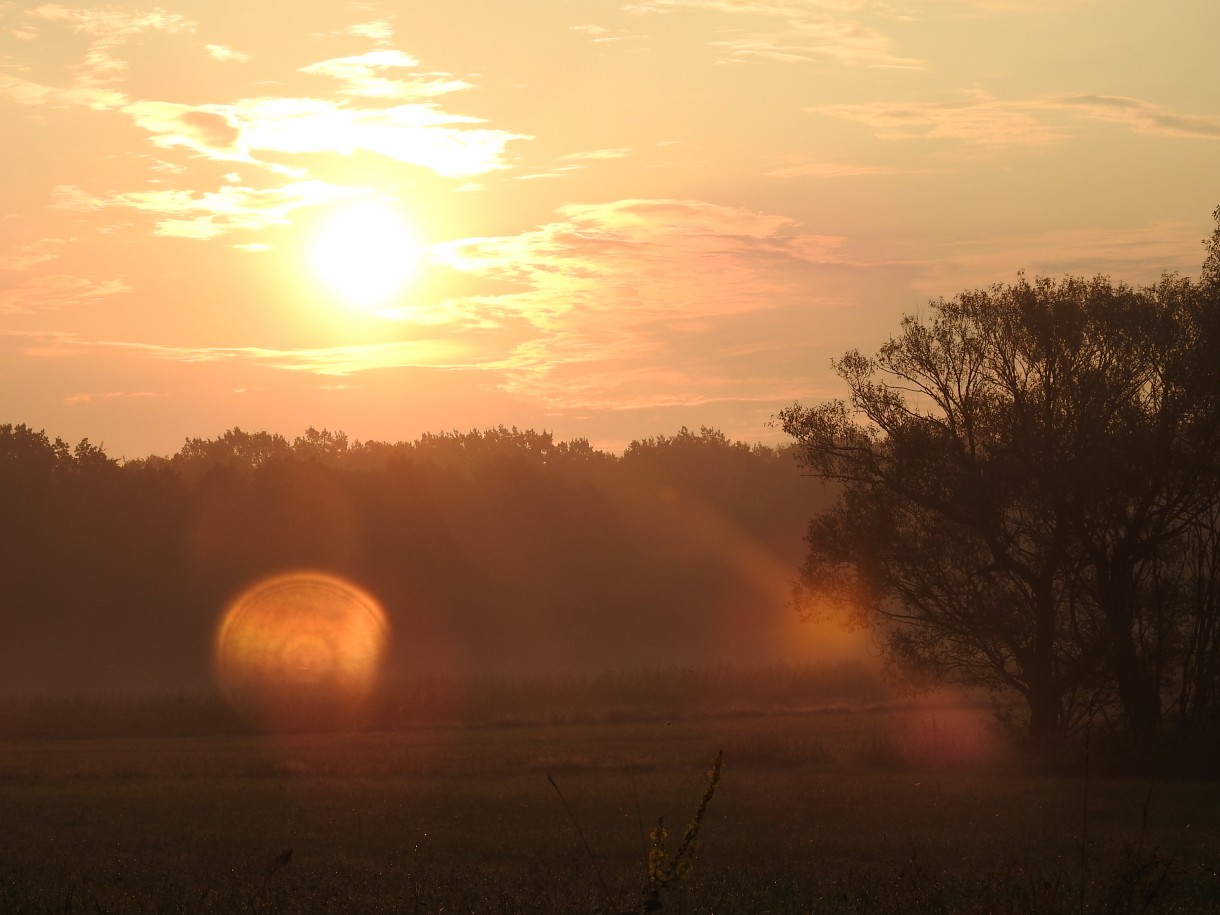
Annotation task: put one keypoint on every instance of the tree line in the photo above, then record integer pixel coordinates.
(491, 550)
(1030, 498)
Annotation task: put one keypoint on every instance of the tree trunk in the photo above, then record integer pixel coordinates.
(1045, 713)
(1137, 690)
(1045, 697)
(1141, 699)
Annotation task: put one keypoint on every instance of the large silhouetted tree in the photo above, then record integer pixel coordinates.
(1023, 474)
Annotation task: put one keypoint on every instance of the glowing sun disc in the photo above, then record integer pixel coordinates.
(366, 253)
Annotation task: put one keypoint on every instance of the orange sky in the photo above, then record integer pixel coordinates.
(604, 219)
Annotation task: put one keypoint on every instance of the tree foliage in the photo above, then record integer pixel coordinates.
(1029, 494)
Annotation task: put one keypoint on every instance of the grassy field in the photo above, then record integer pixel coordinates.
(870, 809)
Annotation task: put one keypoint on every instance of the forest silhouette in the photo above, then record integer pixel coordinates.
(499, 550)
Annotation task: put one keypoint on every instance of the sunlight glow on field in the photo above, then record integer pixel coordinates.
(299, 648)
(366, 253)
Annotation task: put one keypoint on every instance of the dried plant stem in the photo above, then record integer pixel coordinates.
(583, 841)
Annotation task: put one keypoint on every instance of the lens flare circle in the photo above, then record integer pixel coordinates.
(301, 649)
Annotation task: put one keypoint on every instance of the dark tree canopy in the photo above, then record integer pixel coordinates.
(495, 549)
(1029, 479)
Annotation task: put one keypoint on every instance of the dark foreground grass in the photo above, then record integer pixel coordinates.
(864, 812)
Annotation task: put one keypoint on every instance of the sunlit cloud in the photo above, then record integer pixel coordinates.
(599, 34)
(362, 76)
(30, 254)
(835, 170)
(325, 361)
(222, 53)
(644, 253)
(785, 8)
(978, 119)
(185, 214)
(412, 134)
(110, 27)
(597, 154)
(1035, 6)
(112, 22)
(982, 120)
(1141, 116)
(577, 161)
(73, 400)
(633, 288)
(412, 129)
(49, 292)
(379, 31)
(209, 130)
(842, 41)
(809, 31)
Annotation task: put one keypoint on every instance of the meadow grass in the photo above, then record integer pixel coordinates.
(872, 810)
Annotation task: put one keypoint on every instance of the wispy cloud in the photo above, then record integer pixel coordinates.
(575, 162)
(1032, 6)
(206, 129)
(784, 8)
(645, 253)
(422, 135)
(111, 23)
(49, 292)
(223, 53)
(73, 400)
(380, 31)
(799, 169)
(980, 119)
(414, 134)
(599, 34)
(597, 154)
(110, 27)
(326, 361)
(842, 41)
(185, 214)
(1141, 116)
(614, 290)
(797, 31)
(30, 254)
(362, 75)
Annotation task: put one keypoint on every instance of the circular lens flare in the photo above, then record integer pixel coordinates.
(300, 650)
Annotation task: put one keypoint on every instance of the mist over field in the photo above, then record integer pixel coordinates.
(497, 552)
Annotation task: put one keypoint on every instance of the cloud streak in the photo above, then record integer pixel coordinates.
(979, 119)
(51, 292)
(325, 361)
(638, 288)
(185, 214)
(1141, 116)
(813, 30)
(362, 76)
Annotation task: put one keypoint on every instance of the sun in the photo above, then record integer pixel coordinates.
(365, 253)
